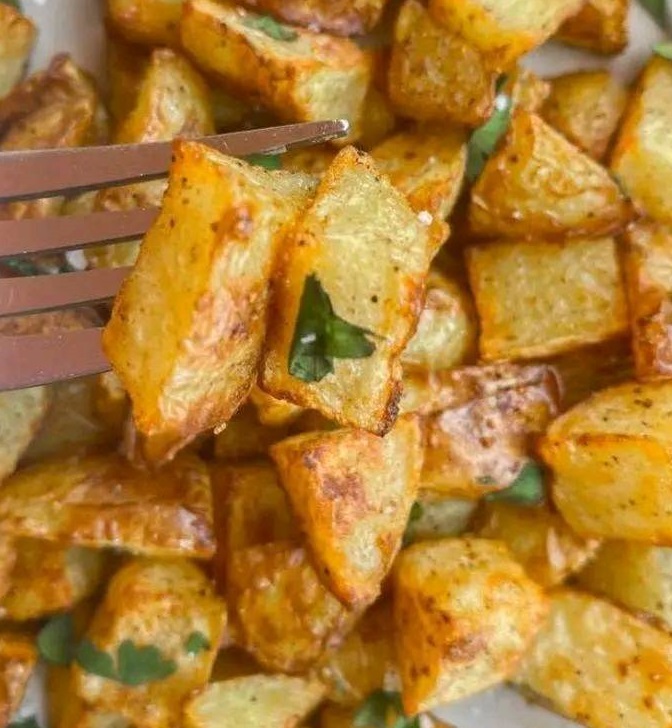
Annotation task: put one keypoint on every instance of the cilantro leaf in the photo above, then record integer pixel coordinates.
(483, 140)
(95, 661)
(379, 707)
(140, 665)
(528, 488)
(267, 161)
(56, 640)
(196, 642)
(656, 9)
(25, 723)
(320, 336)
(266, 24)
(16, 4)
(664, 50)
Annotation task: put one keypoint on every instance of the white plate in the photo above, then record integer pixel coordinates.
(75, 26)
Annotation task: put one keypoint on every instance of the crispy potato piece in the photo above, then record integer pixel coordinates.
(600, 25)
(49, 578)
(435, 75)
(538, 184)
(439, 517)
(17, 660)
(587, 644)
(457, 607)
(352, 493)
(522, 289)
(199, 364)
(586, 107)
(158, 603)
(538, 538)
(648, 277)
(274, 701)
(244, 437)
(308, 77)
(614, 448)
(274, 412)
(17, 37)
(101, 500)
(378, 285)
(642, 157)
(378, 119)
(21, 414)
(125, 65)
(525, 89)
(285, 617)
(151, 22)
(311, 160)
(503, 30)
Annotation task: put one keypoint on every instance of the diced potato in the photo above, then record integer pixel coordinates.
(503, 30)
(274, 412)
(538, 184)
(244, 437)
(435, 75)
(125, 65)
(232, 113)
(311, 160)
(525, 89)
(465, 612)
(21, 414)
(211, 248)
(49, 578)
(161, 604)
(152, 22)
(600, 25)
(274, 701)
(371, 254)
(648, 277)
(586, 107)
(537, 298)
(588, 644)
(378, 119)
(614, 449)
(439, 517)
(101, 500)
(352, 493)
(17, 36)
(307, 77)
(17, 660)
(642, 157)
(538, 538)
(286, 618)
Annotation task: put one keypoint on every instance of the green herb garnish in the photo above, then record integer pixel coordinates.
(664, 50)
(196, 642)
(656, 9)
(381, 706)
(483, 140)
(25, 723)
(527, 489)
(267, 161)
(56, 640)
(266, 24)
(320, 336)
(135, 665)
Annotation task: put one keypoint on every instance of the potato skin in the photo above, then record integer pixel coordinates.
(18, 657)
(600, 25)
(150, 22)
(17, 37)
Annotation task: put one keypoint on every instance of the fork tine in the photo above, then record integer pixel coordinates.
(28, 361)
(41, 173)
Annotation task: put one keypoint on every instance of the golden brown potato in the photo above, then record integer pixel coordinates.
(378, 286)
(503, 31)
(352, 493)
(642, 158)
(21, 415)
(274, 701)
(311, 160)
(613, 448)
(600, 25)
(152, 22)
(525, 89)
(101, 500)
(539, 298)
(285, 617)
(199, 363)
(156, 603)
(435, 516)
(586, 107)
(274, 412)
(378, 119)
(435, 75)
(244, 437)
(7, 561)
(17, 37)
(588, 644)
(17, 660)
(125, 65)
(459, 624)
(538, 538)
(538, 184)
(299, 74)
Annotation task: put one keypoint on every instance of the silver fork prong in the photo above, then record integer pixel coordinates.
(26, 175)
(28, 361)
(35, 294)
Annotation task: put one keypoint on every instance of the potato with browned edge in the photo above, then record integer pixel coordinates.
(151, 22)
(600, 25)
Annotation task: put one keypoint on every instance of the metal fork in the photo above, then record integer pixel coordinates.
(31, 360)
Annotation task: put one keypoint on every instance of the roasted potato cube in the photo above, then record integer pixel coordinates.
(538, 538)
(525, 89)
(614, 448)
(17, 660)
(642, 157)
(17, 36)
(274, 701)
(539, 184)
(311, 160)
(157, 603)
(21, 415)
(299, 74)
(435, 75)
(537, 298)
(503, 30)
(125, 65)
(587, 644)
(648, 278)
(586, 107)
(274, 412)
(48, 578)
(378, 287)
(244, 437)
(200, 361)
(285, 617)
(352, 493)
(101, 500)
(378, 119)
(458, 627)
(438, 517)
(600, 25)
(152, 22)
